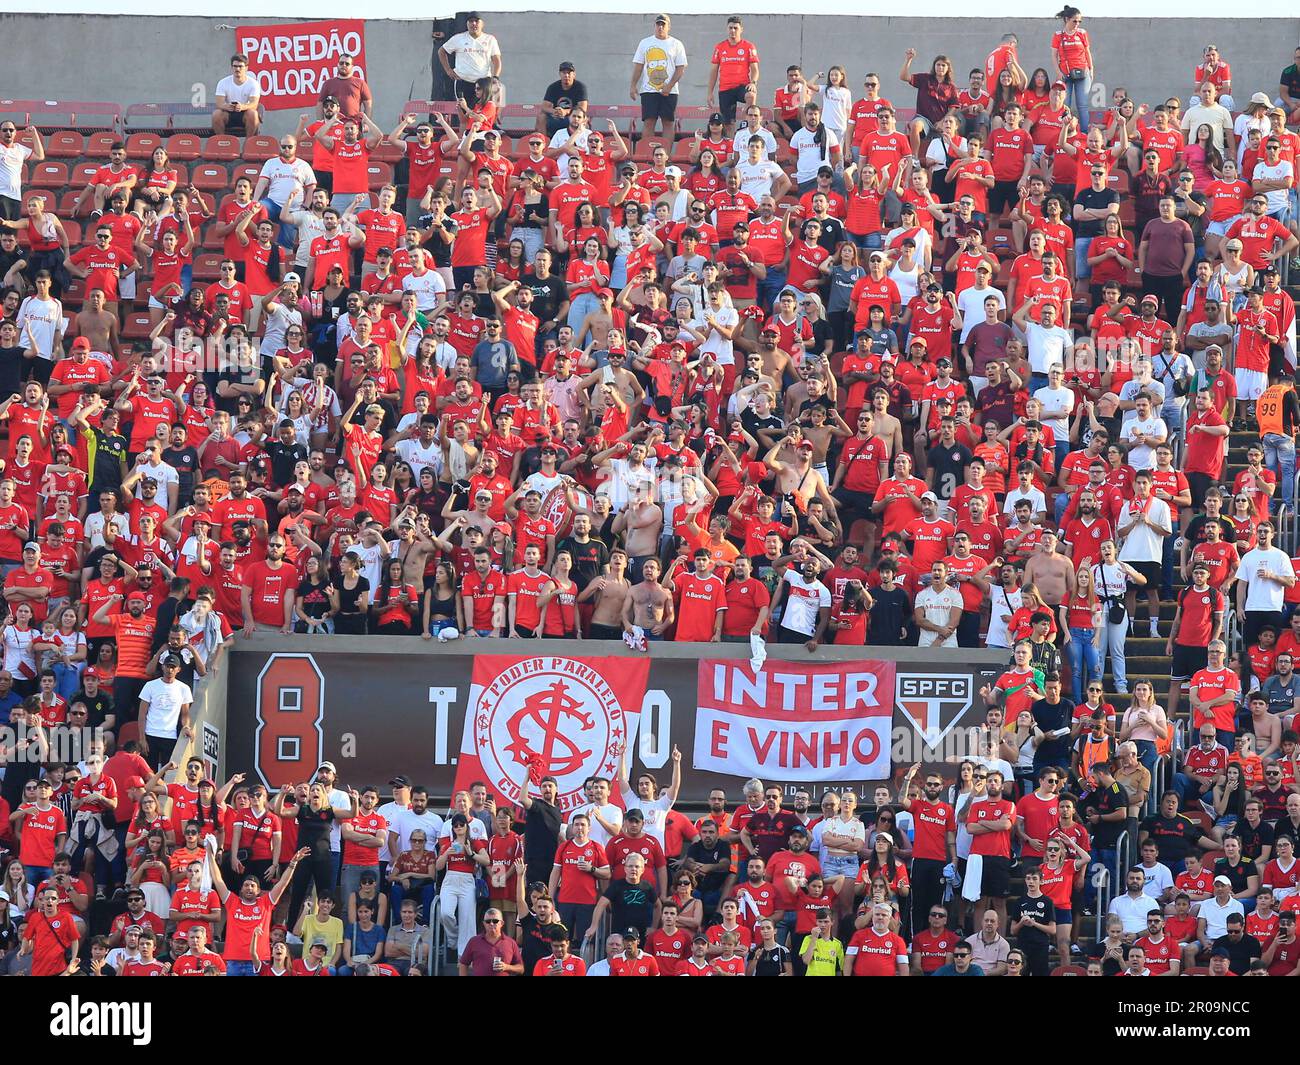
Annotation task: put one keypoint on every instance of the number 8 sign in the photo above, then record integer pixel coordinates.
(289, 740)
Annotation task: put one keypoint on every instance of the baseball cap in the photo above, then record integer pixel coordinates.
(716, 119)
(1223, 880)
(632, 933)
(31, 545)
(566, 65)
(929, 495)
(799, 830)
(1058, 85)
(292, 276)
(327, 765)
(90, 671)
(1151, 299)
(661, 18)
(634, 814)
(1261, 98)
(805, 445)
(133, 596)
(491, 133)
(81, 344)
(673, 171)
(400, 781)
(172, 662)
(918, 340)
(605, 293)
(319, 943)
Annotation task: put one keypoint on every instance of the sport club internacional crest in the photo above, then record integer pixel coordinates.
(557, 714)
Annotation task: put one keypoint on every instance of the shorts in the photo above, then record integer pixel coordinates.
(1220, 229)
(995, 881)
(1151, 571)
(1002, 195)
(605, 632)
(925, 123)
(841, 865)
(1186, 662)
(729, 100)
(1064, 915)
(1199, 483)
(154, 305)
(1250, 384)
(657, 105)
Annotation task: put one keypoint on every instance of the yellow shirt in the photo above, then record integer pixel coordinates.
(828, 957)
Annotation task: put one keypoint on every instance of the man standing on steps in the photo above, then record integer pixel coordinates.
(1263, 578)
(936, 841)
(1278, 413)
(1198, 621)
(1143, 525)
(657, 67)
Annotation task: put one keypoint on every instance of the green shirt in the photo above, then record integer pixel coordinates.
(827, 959)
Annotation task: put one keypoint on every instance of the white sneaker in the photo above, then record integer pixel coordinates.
(1155, 630)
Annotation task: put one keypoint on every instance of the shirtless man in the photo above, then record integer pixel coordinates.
(820, 431)
(1049, 571)
(621, 383)
(598, 326)
(797, 480)
(413, 547)
(610, 591)
(775, 361)
(887, 427)
(643, 522)
(98, 326)
(478, 518)
(649, 604)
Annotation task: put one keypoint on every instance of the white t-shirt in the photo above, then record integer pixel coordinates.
(1143, 456)
(656, 815)
(1037, 501)
(1277, 198)
(1264, 594)
(756, 179)
(417, 456)
(970, 301)
(1158, 879)
(239, 93)
(11, 169)
(281, 176)
(803, 602)
(472, 55)
(938, 607)
(164, 474)
(403, 825)
(94, 527)
(1143, 543)
(659, 62)
(611, 813)
(165, 702)
(836, 102)
(722, 349)
(46, 318)
(429, 288)
(740, 142)
(811, 156)
(1047, 347)
(1052, 399)
(276, 323)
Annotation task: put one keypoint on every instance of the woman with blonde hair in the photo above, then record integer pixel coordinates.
(1144, 723)
(1081, 624)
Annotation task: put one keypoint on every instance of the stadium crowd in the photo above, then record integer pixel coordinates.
(962, 372)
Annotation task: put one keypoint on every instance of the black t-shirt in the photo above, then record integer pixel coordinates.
(949, 465)
(630, 906)
(536, 943)
(1091, 200)
(1238, 873)
(548, 295)
(110, 453)
(770, 832)
(98, 706)
(1284, 827)
(1253, 840)
(1196, 529)
(698, 852)
(185, 460)
(754, 424)
(1040, 909)
(1174, 837)
(1107, 801)
(1049, 717)
(1241, 952)
(558, 96)
(541, 833)
(283, 459)
(589, 558)
(771, 962)
(314, 829)
(887, 621)
(832, 235)
(12, 365)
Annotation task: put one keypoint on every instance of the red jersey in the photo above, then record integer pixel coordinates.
(870, 953)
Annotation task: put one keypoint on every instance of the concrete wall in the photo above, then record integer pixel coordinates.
(65, 55)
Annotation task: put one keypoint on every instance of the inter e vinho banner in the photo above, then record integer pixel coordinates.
(292, 60)
(448, 717)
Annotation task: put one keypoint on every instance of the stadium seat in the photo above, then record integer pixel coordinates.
(50, 174)
(392, 153)
(128, 730)
(184, 146)
(207, 266)
(212, 240)
(209, 177)
(1196, 970)
(82, 173)
(1069, 970)
(136, 326)
(75, 293)
(379, 174)
(65, 144)
(249, 170)
(66, 199)
(221, 148)
(73, 230)
(260, 148)
(99, 144)
(141, 145)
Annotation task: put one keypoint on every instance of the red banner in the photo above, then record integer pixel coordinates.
(791, 721)
(571, 716)
(293, 60)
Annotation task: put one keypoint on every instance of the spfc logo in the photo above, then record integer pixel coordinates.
(934, 703)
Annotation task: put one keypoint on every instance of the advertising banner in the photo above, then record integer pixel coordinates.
(292, 60)
(446, 717)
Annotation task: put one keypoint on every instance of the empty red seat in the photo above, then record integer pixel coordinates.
(50, 174)
(261, 148)
(221, 147)
(209, 177)
(98, 145)
(83, 172)
(248, 170)
(184, 146)
(73, 230)
(65, 144)
(141, 145)
(207, 266)
(379, 174)
(136, 326)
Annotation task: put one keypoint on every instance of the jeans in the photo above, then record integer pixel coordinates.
(1085, 661)
(67, 680)
(36, 873)
(1112, 641)
(240, 968)
(1149, 757)
(458, 903)
(770, 287)
(583, 304)
(532, 240)
(425, 894)
(1082, 271)
(1187, 785)
(288, 235)
(1279, 456)
(1076, 98)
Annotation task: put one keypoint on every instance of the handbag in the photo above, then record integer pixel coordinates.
(1115, 612)
(1077, 74)
(244, 853)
